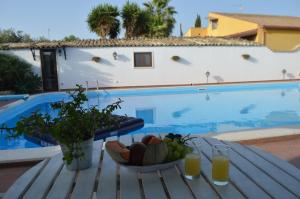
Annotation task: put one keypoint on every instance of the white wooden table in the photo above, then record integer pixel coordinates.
(253, 174)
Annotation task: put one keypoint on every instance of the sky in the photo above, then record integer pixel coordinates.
(59, 18)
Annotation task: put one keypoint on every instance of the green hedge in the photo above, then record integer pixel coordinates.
(16, 75)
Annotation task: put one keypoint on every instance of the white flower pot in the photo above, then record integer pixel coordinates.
(84, 161)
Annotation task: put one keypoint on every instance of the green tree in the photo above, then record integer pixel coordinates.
(71, 38)
(130, 15)
(135, 20)
(115, 30)
(162, 17)
(42, 39)
(180, 31)
(17, 75)
(198, 22)
(103, 21)
(12, 36)
(143, 24)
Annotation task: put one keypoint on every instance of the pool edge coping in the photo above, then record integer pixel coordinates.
(256, 134)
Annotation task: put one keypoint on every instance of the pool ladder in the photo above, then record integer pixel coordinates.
(98, 88)
(86, 86)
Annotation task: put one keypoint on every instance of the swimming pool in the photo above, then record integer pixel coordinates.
(192, 109)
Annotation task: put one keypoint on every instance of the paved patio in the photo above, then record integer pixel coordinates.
(6, 102)
(285, 147)
(10, 172)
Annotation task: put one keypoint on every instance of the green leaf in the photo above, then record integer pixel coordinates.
(73, 124)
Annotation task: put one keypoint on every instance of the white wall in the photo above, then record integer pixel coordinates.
(223, 62)
(27, 56)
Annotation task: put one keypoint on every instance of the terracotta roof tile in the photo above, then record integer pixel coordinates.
(136, 42)
(268, 21)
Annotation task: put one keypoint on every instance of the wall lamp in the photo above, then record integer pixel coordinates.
(115, 55)
(33, 53)
(59, 52)
(207, 74)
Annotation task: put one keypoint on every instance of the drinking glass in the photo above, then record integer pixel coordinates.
(192, 164)
(220, 164)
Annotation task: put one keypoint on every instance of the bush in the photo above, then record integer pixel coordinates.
(16, 75)
(175, 58)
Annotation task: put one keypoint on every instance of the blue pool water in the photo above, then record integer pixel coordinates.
(183, 109)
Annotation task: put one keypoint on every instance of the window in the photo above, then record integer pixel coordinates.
(214, 24)
(143, 59)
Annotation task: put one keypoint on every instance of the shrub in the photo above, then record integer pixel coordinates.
(246, 56)
(175, 58)
(16, 75)
(96, 59)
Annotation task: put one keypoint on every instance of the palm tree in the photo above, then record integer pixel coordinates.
(143, 24)
(162, 17)
(103, 20)
(135, 20)
(130, 14)
(115, 30)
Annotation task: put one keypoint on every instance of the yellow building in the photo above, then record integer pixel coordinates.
(195, 32)
(279, 33)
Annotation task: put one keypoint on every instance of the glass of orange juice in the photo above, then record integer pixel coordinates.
(192, 164)
(220, 164)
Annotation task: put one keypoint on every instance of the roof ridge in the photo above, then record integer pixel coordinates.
(191, 39)
(122, 42)
(253, 14)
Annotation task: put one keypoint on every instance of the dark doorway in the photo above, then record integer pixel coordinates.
(49, 71)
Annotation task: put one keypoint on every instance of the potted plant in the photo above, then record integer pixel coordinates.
(96, 59)
(175, 58)
(73, 127)
(246, 56)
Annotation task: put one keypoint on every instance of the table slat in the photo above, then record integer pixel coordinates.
(228, 191)
(240, 180)
(129, 184)
(284, 165)
(24, 182)
(107, 185)
(175, 185)
(86, 178)
(253, 174)
(43, 182)
(256, 175)
(63, 184)
(152, 185)
(200, 187)
(274, 172)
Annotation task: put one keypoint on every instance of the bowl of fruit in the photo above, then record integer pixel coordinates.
(151, 154)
